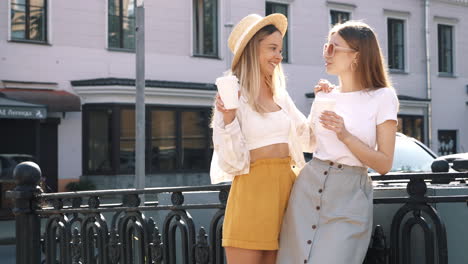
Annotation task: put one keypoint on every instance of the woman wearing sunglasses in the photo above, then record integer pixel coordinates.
(329, 215)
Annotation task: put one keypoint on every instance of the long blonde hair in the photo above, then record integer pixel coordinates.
(248, 71)
(371, 69)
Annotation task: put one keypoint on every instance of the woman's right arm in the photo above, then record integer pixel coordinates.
(303, 128)
(229, 143)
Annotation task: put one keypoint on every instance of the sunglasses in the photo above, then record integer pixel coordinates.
(330, 48)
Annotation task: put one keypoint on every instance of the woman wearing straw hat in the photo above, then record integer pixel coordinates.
(257, 140)
(329, 215)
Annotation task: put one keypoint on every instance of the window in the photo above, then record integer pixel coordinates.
(205, 14)
(121, 28)
(412, 126)
(127, 141)
(282, 9)
(99, 139)
(445, 41)
(29, 20)
(177, 139)
(194, 139)
(447, 142)
(339, 17)
(396, 44)
(163, 144)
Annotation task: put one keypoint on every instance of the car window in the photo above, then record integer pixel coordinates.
(20, 159)
(410, 157)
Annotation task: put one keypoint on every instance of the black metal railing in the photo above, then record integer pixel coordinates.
(417, 211)
(76, 230)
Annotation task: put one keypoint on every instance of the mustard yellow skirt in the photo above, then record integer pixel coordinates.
(256, 205)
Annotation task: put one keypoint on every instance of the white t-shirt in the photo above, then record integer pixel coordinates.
(362, 111)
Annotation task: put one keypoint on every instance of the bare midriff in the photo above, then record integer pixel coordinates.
(280, 150)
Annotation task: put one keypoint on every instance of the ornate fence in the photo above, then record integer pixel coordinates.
(76, 230)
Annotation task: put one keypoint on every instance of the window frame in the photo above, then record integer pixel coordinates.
(413, 117)
(85, 137)
(340, 7)
(339, 11)
(121, 39)
(456, 139)
(287, 58)
(404, 47)
(453, 56)
(47, 12)
(405, 16)
(195, 49)
(115, 140)
(207, 133)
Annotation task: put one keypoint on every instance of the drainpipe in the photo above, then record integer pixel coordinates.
(227, 30)
(428, 72)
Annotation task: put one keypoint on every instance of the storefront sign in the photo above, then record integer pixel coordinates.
(22, 112)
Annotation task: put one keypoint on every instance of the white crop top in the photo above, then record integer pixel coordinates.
(265, 129)
(231, 156)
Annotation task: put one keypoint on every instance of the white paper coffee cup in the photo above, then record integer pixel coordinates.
(318, 107)
(228, 88)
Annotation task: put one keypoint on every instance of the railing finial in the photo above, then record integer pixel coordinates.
(27, 174)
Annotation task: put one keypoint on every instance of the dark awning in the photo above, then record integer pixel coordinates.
(54, 100)
(13, 109)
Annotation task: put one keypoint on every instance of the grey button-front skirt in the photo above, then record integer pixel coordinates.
(329, 216)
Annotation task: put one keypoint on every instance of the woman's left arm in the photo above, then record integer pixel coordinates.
(380, 160)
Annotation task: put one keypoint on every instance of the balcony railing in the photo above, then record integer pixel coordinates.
(77, 231)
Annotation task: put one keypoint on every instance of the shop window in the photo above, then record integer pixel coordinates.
(177, 139)
(412, 126)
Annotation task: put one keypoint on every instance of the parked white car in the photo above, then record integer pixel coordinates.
(411, 155)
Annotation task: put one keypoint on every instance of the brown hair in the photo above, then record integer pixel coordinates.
(371, 68)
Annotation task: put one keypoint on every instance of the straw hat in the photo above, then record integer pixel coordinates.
(246, 29)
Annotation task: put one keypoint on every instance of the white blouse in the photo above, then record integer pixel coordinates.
(361, 111)
(231, 154)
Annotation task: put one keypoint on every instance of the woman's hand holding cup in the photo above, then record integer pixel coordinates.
(227, 98)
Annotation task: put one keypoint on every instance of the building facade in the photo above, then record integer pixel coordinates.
(77, 61)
